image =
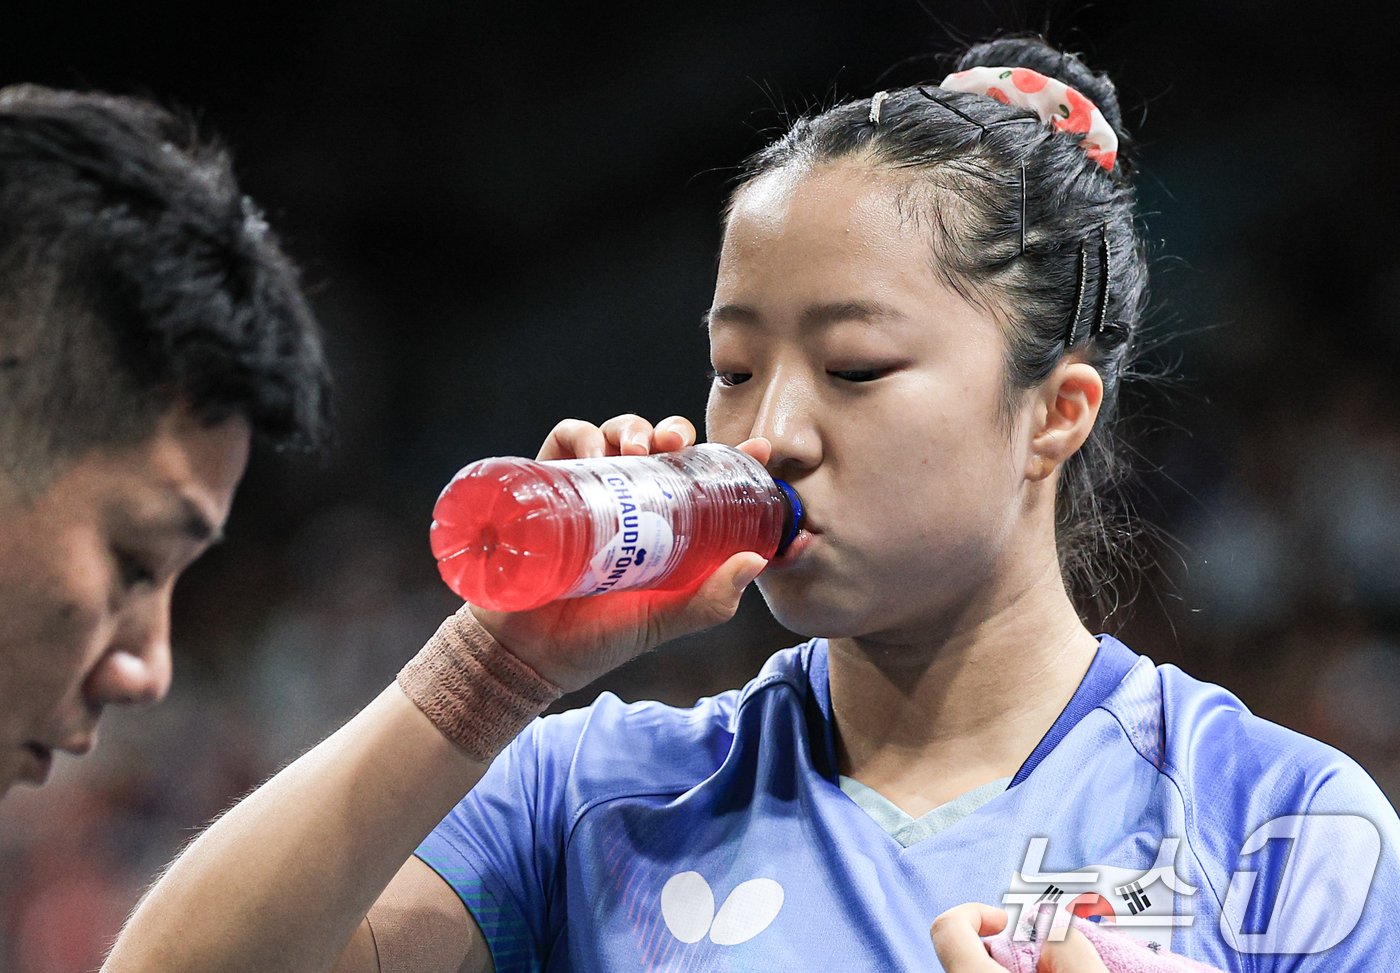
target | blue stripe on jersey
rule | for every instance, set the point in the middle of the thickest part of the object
(1111, 663)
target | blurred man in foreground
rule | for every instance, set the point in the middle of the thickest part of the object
(150, 328)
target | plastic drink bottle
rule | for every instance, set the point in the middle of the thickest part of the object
(511, 534)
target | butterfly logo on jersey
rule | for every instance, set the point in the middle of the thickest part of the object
(688, 906)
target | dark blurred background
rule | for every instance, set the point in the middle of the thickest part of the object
(508, 215)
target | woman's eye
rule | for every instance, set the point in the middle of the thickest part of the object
(134, 571)
(728, 379)
(861, 375)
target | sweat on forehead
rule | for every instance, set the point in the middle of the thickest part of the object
(889, 209)
(881, 198)
(780, 185)
(832, 211)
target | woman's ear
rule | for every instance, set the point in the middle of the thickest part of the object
(1068, 406)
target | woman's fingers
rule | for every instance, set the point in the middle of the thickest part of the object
(674, 432)
(957, 937)
(631, 435)
(760, 449)
(573, 439)
(1073, 954)
(625, 435)
(713, 603)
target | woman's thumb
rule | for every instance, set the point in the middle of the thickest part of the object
(716, 601)
(1073, 954)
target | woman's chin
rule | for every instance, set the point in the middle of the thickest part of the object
(807, 613)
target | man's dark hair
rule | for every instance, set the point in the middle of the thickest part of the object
(135, 277)
(1026, 224)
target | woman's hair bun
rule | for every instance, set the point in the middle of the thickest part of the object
(1034, 53)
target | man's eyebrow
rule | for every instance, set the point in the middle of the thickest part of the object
(814, 316)
(174, 513)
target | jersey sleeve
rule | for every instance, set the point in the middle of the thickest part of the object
(500, 848)
(1337, 889)
(1298, 849)
(1320, 890)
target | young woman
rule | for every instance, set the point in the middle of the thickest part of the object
(925, 303)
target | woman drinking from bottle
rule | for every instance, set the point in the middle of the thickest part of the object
(926, 302)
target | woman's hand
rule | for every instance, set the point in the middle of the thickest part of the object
(573, 641)
(957, 939)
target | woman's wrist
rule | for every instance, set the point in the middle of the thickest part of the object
(473, 689)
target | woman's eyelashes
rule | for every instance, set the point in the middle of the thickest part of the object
(861, 370)
(728, 379)
(859, 375)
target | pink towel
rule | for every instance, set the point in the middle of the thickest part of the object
(1119, 952)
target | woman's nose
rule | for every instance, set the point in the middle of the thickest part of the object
(787, 418)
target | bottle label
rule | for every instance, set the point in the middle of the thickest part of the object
(639, 552)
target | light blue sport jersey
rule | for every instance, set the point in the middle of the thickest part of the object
(645, 837)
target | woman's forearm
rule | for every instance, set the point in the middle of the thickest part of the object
(282, 880)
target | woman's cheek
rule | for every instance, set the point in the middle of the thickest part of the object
(728, 415)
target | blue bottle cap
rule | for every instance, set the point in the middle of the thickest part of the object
(792, 522)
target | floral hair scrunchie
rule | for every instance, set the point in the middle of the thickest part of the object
(1054, 101)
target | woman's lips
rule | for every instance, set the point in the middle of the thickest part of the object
(794, 551)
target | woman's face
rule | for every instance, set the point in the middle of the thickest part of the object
(832, 336)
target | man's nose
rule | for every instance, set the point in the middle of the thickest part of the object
(137, 668)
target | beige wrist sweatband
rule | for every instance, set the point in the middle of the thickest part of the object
(474, 691)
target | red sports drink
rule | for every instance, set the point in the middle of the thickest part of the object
(511, 534)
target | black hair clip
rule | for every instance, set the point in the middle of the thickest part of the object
(982, 127)
(1096, 328)
(1081, 278)
(1106, 277)
(1022, 251)
(961, 114)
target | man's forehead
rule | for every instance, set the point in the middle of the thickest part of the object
(146, 491)
(184, 477)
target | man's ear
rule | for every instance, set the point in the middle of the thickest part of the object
(1067, 408)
